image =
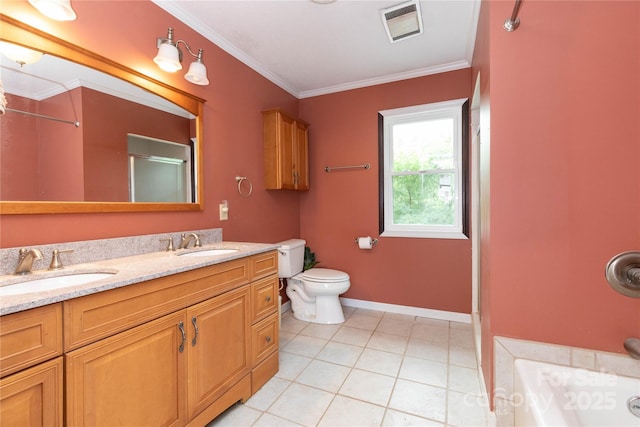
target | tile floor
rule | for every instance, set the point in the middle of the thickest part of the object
(376, 369)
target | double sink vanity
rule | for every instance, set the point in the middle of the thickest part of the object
(160, 338)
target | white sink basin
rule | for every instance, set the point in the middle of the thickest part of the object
(209, 252)
(51, 283)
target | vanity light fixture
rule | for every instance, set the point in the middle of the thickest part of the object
(169, 58)
(59, 10)
(402, 20)
(20, 54)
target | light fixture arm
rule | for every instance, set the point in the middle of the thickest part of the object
(169, 40)
(170, 55)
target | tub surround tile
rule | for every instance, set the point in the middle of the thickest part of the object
(507, 350)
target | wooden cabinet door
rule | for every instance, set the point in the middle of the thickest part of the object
(33, 397)
(301, 160)
(219, 354)
(134, 378)
(287, 153)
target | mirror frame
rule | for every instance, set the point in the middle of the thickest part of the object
(19, 33)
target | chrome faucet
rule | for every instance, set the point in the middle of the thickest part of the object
(185, 239)
(26, 259)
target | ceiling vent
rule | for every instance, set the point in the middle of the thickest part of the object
(402, 20)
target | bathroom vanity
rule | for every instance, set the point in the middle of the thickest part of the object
(174, 350)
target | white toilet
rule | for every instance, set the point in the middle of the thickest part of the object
(313, 293)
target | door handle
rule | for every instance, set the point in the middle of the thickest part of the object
(184, 336)
(195, 327)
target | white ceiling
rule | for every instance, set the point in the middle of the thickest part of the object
(312, 49)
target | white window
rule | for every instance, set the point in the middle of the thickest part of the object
(423, 155)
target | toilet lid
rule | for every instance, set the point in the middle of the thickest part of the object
(324, 275)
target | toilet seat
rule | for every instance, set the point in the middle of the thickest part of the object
(323, 275)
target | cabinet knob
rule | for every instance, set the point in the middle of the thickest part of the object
(268, 298)
(268, 339)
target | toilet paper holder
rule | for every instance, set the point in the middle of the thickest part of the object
(373, 240)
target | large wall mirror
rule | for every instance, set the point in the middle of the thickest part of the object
(82, 133)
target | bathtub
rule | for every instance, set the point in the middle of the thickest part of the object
(553, 395)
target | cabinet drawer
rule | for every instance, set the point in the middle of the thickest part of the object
(33, 397)
(263, 265)
(29, 337)
(264, 371)
(264, 338)
(97, 316)
(264, 297)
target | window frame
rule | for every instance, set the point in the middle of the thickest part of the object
(458, 109)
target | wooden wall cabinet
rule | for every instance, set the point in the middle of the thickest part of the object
(172, 351)
(286, 152)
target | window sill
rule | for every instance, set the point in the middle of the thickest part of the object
(425, 235)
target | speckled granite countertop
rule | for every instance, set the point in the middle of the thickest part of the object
(129, 270)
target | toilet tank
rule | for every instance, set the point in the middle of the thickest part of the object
(290, 257)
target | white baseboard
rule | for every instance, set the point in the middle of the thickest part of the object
(285, 307)
(405, 309)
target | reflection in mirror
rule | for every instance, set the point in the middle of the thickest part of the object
(66, 130)
(69, 125)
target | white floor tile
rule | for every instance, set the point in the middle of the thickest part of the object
(436, 351)
(386, 342)
(324, 375)
(428, 332)
(395, 326)
(465, 410)
(424, 371)
(268, 394)
(291, 324)
(380, 362)
(419, 399)
(268, 420)
(291, 365)
(305, 346)
(236, 416)
(368, 386)
(342, 354)
(362, 321)
(302, 404)
(352, 336)
(464, 380)
(320, 331)
(376, 369)
(346, 412)
(395, 418)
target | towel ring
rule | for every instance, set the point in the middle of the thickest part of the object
(239, 180)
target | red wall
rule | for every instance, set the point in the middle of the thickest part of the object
(565, 181)
(232, 137)
(17, 160)
(427, 273)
